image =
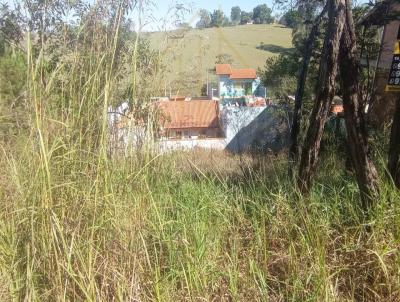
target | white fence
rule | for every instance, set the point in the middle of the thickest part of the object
(187, 144)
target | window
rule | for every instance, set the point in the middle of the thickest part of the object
(238, 85)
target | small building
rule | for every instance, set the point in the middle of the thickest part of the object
(194, 119)
(237, 83)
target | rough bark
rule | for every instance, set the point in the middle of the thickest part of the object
(354, 116)
(394, 147)
(294, 133)
(325, 94)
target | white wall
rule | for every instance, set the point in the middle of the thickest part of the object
(256, 129)
(233, 119)
(188, 144)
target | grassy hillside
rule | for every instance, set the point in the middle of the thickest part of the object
(193, 52)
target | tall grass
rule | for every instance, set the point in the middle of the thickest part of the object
(79, 225)
(180, 228)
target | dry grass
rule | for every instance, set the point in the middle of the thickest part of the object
(79, 225)
(191, 226)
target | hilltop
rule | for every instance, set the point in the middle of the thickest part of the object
(189, 54)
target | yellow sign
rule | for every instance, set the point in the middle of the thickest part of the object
(392, 88)
(393, 84)
(397, 48)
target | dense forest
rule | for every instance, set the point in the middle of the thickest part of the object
(318, 221)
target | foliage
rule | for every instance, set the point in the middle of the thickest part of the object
(279, 75)
(236, 15)
(306, 8)
(12, 99)
(291, 19)
(246, 17)
(77, 224)
(205, 19)
(210, 216)
(368, 43)
(10, 30)
(218, 18)
(262, 14)
(12, 75)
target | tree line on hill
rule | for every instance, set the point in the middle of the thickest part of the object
(261, 14)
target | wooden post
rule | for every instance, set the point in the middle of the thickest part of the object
(295, 130)
(394, 147)
(354, 115)
(325, 94)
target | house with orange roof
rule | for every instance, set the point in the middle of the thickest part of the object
(185, 123)
(189, 119)
(236, 83)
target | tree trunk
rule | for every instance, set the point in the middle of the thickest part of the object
(354, 116)
(394, 148)
(325, 94)
(294, 133)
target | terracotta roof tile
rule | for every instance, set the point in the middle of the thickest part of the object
(258, 102)
(226, 69)
(190, 114)
(223, 69)
(243, 74)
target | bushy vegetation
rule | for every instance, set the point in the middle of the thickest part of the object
(78, 226)
(261, 14)
(280, 73)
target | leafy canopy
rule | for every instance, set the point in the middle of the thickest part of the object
(236, 15)
(262, 14)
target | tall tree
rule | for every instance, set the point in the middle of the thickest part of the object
(262, 14)
(245, 17)
(353, 111)
(325, 93)
(394, 147)
(291, 18)
(301, 82)
(217, 18)
(205, 19)
(226, 21)
(10, 29)
(235, 15)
